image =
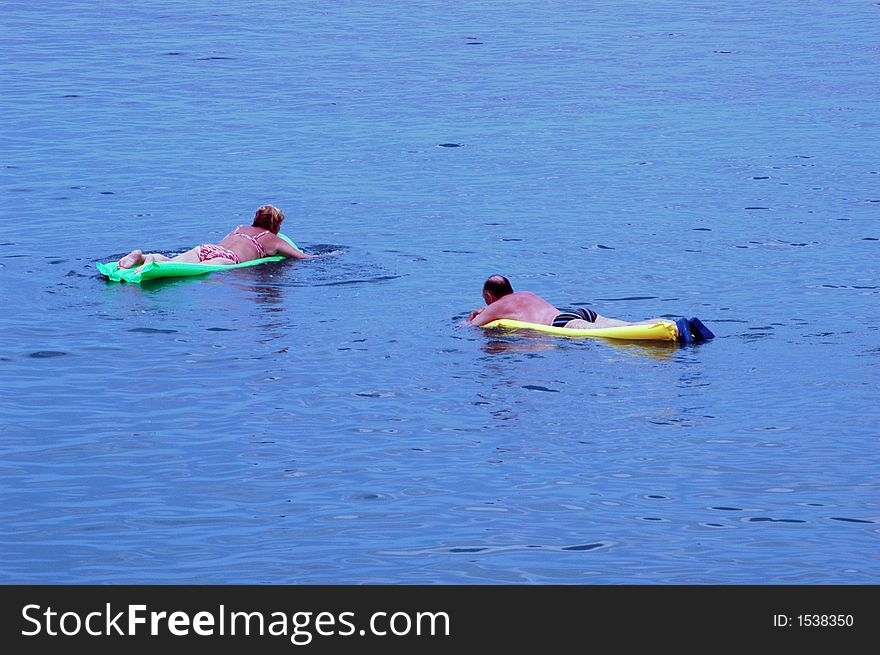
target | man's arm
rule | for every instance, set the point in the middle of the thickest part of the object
(483, 315)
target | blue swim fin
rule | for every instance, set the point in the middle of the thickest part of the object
(700, 331)
(684, 332)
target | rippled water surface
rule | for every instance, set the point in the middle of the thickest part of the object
(329, 421)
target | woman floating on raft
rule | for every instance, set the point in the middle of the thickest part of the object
(244, 243)
(530, 310)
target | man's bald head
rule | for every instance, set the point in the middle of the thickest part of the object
(495, 287)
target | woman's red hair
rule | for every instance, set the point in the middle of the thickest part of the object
(269, 218)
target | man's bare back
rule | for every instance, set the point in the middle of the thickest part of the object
(520, 306)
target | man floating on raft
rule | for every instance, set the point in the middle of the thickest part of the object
(523, 309)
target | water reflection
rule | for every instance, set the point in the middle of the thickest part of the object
(503, 346)
(264, 287)
(563, 376)
(526, 343)
(656, 350)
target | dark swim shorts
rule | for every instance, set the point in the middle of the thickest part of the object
(581, 313)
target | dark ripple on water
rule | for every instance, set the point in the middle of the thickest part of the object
(378, 278)
(149, 330)
(506, 549)
(333, 270)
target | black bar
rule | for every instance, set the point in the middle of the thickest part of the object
(508, 617)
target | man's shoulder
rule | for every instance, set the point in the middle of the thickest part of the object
(524, 296)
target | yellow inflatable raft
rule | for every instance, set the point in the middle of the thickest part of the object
(660, 331)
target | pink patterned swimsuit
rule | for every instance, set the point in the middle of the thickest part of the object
(261, 252)
(209, 251)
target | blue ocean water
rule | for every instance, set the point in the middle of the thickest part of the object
(329, 421)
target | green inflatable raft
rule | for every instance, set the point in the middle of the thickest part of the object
(156, 270)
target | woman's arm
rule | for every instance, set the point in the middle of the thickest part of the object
(284, 248)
